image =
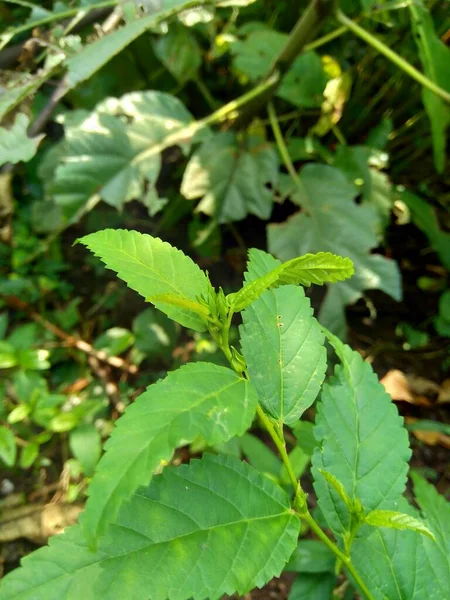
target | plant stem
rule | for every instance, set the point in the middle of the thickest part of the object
(392, 56)
(325, 39)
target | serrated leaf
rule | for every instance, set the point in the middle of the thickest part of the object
(311, 268)
(362, 441)
(151, 267)
(259, 263)
(198, 399)
(231, 176)
(309, 586)
(396, 520)
(114, 154)
(393, 563)
(172, 300)
(15, 145)
(436, 511)
(283, 346)
(333, 221)
(338, 487)
(167, 540)
(435, 58)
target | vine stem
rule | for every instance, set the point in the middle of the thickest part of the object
(392, 56)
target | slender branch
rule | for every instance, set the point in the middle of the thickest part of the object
(392, 56)
(71, 340)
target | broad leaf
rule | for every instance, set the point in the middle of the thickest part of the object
(424, 216)
(304, 83)
(331, 220)
(167, 541)
(231, 177)
(435, 58)
(283, 347)
(309, 586)
(260, 455)
(8, 449)
(311, 268)
(198, 399)
(259, 264)
(362, 442)
(114, 154)
(15, 145)
(395, 520)
(179, 52)
(152, 267)
(436, 511)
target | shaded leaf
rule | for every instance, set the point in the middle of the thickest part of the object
(435, 58)
(154, 333)
(283, 347)
(332, 221)
(313, 587)
(15, 145)
(151, 267)
(86, 445)
(179, 52)
(8, 448)
(311, 556)
(198, 399)
(188, 517)
(114, 153)
(362, 442)
(260, 455)
(231, 176)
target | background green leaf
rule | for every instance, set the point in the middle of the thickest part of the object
(15, 145)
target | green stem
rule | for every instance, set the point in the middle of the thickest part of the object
(325, 39)
(71, 12)
(392, 56)
(346, 560)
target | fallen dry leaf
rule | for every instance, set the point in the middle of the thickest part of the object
(401, 389)
(430, 438)
(37, 522)
(444, 392)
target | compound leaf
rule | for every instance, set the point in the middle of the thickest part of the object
(435, 58)
(231, 177)
(114, 153)
(198, 399)
(283, 347)
(152, 267)
(167, 540)
(334, 222)
(396, 520)
(362, 442)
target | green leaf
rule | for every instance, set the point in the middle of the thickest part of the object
(19, 413)
(8, 448)
(151, 267)
(64, 422)
(92, 57)
(259, 264)
(86, 445)
(155, 334)
(260, 455)
(198, 399)
(15, 145)
(435, 58)
(179, 52)
(339, 488)
(8, 356)
(362, 442)
(313, 587)
(303, 431)
(114, 341)
(28, 455)
(231, 177)
(304, 83)
(436, 511)
(283, 346)
(114, 154)
(172, 300)
(311, 556)
(396, 520)
(332, 221)
(425, 218)
(305, 270)
(187, 535)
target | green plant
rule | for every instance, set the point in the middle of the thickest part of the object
(218, 525)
